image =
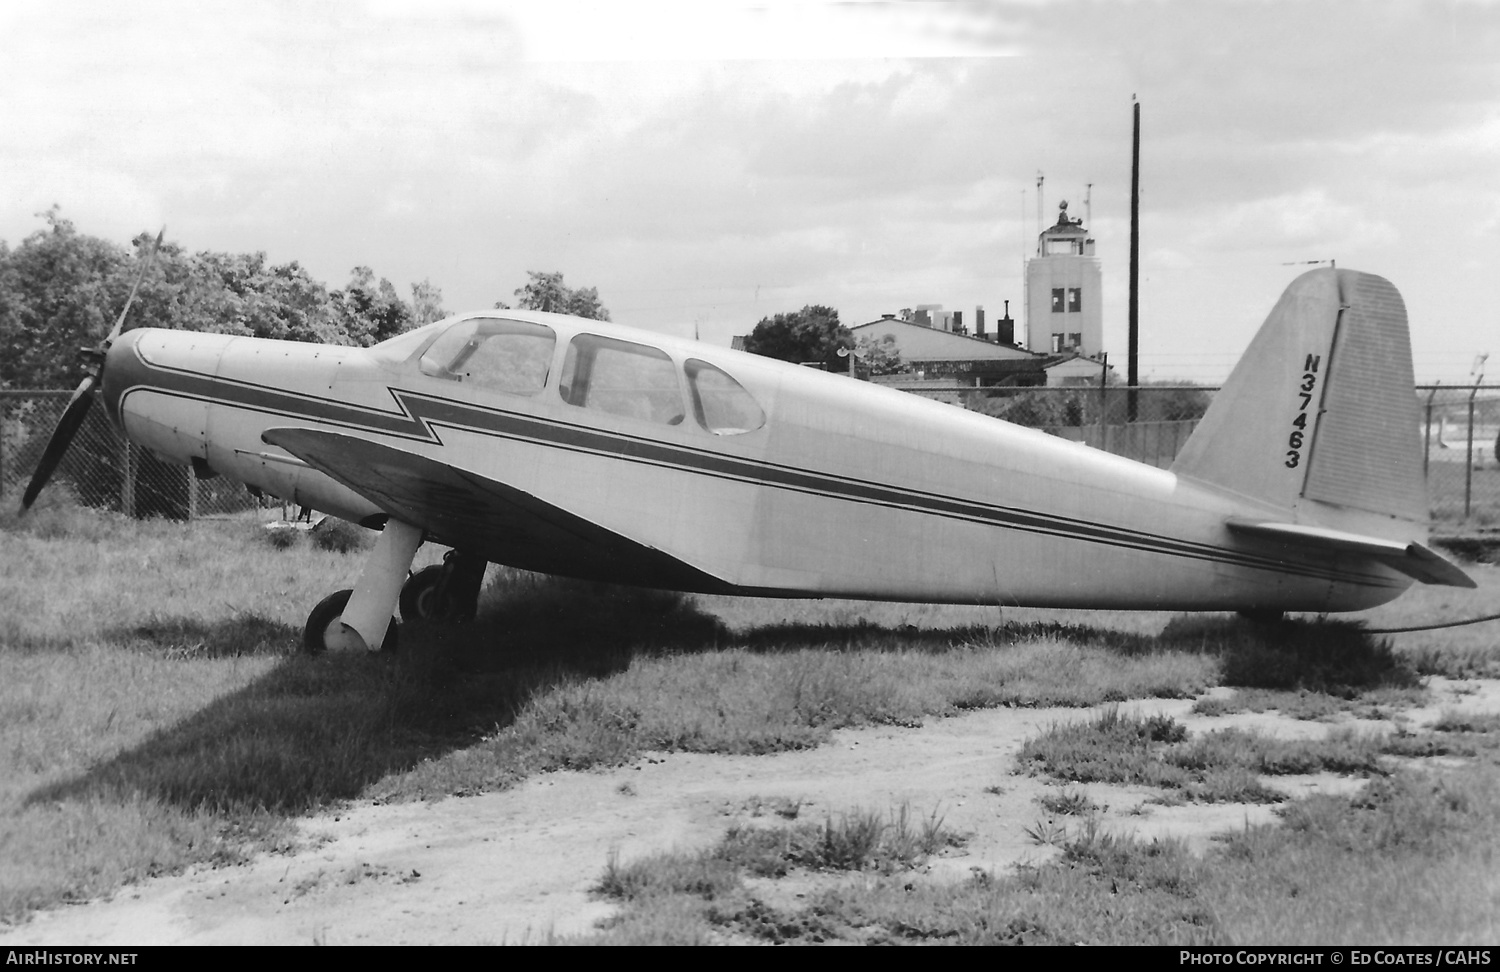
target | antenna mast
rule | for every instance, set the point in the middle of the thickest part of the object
(1039, 224)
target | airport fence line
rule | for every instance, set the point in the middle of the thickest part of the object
(1459, 429)
(103, 469)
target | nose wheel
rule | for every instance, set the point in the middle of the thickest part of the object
(444, 592)
(361, 618)
(326, 631)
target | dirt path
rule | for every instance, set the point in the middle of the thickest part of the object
(518, 866)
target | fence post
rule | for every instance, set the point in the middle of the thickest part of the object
(127, 484)
(1469, 456)
(1427, 444)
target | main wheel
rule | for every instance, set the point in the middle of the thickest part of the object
(419, 596)
(325, 631)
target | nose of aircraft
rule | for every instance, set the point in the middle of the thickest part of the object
(123, 369)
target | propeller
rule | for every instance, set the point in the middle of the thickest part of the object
(83, 395)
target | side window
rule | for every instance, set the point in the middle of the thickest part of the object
(621, 378)
(507, 356)
(721, 404)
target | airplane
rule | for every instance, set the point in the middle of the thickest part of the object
(592, 450)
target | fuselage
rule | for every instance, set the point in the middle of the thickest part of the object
(779, 480)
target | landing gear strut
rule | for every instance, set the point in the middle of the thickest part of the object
(445, 592)
(362, 618)
(326, 632)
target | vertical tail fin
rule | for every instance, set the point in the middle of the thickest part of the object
(1319, 419)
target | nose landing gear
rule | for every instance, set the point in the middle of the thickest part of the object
(363, 617)
(325, 631)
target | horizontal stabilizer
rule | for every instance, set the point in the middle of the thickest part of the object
(1411, 559)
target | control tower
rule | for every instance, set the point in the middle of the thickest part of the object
(1064, 307)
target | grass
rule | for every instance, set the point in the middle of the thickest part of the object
(1409, 860)
(1215, 767)
(695, 898)
(155, 713)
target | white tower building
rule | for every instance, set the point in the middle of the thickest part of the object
(1064, 307)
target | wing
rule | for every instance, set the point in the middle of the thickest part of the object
(504, 524)
(1412, 559)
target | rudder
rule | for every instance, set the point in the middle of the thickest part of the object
(1319, 419)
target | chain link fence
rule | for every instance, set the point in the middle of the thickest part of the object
(1459, 430)
(102, 468)
(1460, 425)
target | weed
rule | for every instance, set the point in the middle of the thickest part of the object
(1047, 833)
(277, 537)
(784, 807)
(855, 841)
(1069, 803)
(699, 875)
(340, 536)
(1455, 720)
(1425, 745)
(1214, 767)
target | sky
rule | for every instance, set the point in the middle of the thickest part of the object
(708, 164)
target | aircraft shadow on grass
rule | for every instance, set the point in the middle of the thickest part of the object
(316, 729)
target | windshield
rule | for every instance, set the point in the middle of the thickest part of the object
(403, 346)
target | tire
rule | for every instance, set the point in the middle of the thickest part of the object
(419, 596)
(324, 632)
(458, 603)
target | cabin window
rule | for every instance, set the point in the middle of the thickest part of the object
(721, 404)
(621, 378)
(499, 355)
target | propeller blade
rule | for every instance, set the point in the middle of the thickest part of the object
(83, 396)
(145, 265)
(62, 437)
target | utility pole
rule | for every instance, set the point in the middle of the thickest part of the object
(1133, 350)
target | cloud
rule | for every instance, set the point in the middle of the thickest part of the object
(687, 156)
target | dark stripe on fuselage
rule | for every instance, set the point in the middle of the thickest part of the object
(421, 416)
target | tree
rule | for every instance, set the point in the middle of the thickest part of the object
(881, 357)
(811, 334)
(426, 303)
(370, 312)
(237, 293)
(547, 292)
(59, 291)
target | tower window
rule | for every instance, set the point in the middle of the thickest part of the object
(1057, 300)
(1075, 299)
(1075, 341)
(1057, 343)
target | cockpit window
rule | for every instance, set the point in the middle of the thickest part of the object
(500, 355)
(721, 404)
(621, 378)
(399, 349)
